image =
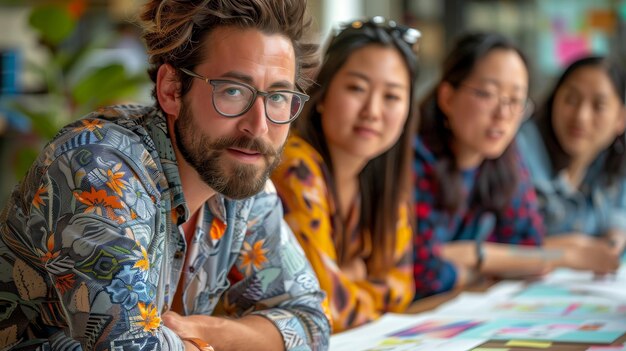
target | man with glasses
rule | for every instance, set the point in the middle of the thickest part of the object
(143, 227)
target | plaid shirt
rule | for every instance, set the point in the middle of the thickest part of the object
(519, 223)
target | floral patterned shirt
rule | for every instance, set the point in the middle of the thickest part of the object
(302, 186)
(91, 249)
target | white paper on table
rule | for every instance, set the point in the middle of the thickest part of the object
(567, 275)
(535, 307)
(474, 301)
(607, 348)
(599, 289)
(505, 288)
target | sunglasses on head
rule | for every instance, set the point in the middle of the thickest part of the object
(409, 35)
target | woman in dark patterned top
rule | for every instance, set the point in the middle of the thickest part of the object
(476, 209)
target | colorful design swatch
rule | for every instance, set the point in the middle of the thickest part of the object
(438, 329)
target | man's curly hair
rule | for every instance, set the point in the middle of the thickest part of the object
(174, 31)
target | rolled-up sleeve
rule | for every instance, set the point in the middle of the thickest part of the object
(277, 281)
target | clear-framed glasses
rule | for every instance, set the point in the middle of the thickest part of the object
(233, 99)
(491, 100)
(409, 35)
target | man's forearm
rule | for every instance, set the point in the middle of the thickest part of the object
(251, 330)
(226, 334)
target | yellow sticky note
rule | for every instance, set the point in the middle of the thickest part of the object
(526, 343)
(489, 349)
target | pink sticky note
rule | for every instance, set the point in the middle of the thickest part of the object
(569, 48)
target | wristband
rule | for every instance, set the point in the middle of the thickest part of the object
(480, 256)
(200, 344)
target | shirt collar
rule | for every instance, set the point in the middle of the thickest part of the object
(156, 124)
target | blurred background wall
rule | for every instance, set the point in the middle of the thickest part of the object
(60, 59)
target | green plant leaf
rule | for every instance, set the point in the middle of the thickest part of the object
(106, 85)
(52, 22)
(23, 160)
(42, 122)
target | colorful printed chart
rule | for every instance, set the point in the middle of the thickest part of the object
(559, 330)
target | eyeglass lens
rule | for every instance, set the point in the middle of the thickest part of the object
(232, 99)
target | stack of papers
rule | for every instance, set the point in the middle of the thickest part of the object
(566, 306)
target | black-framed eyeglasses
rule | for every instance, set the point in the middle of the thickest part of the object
(491, 100)
(233, 99)
(410, 36)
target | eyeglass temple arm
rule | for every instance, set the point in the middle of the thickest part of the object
(195, 75)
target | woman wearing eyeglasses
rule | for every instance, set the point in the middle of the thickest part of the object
(574, 148)
(476, 208)
(345, 175)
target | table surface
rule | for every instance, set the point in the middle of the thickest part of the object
(432, 302)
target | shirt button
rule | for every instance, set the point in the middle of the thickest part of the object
(191, 269)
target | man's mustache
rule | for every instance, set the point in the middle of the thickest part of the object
(244, 143)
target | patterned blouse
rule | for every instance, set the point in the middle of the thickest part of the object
(91, 247)
(302, 185)
(593, 208)
(520, 223)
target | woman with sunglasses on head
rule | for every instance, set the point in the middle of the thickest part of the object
(345, 175)
(574, 147)
(475, 206)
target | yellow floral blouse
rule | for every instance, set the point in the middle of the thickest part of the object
(308, 205)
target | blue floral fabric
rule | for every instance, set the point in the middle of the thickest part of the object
(91, 250)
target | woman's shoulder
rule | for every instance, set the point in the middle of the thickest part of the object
(298, 148)
(423, 153)
(532, 151)
(299, 158)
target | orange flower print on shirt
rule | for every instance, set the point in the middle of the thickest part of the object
(65, 282)
(99, 202)
(143, 263)
(217, 229)
(37, 200)
(50, 254)
(90, 125)
(116, 179)
(150, 320)
(253, 256)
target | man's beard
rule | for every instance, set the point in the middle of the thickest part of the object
(229, 178)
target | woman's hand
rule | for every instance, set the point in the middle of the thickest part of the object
(585, 252)
(594, 254)
(617, 239)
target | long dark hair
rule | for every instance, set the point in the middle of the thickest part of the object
(385, 181)
(497, 178)
(615, 163)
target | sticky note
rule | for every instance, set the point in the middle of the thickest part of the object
(532, 344)
(489, 349)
